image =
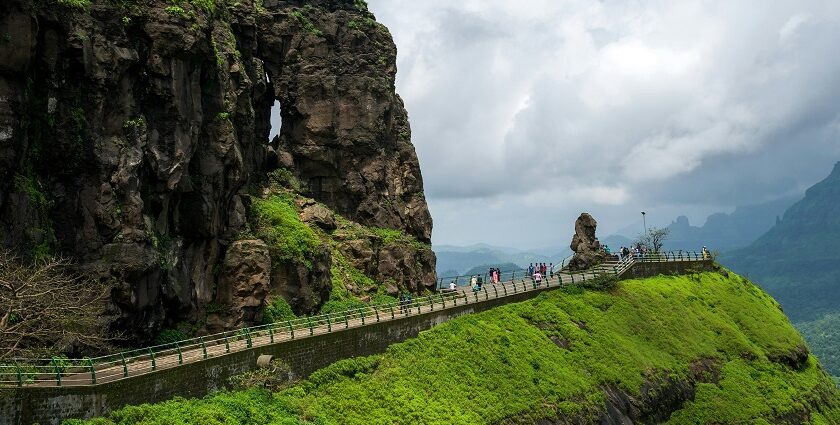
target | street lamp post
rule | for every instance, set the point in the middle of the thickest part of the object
(644, 222)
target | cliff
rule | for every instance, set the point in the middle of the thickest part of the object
(703, 348)
(798, 259)
(134, 137)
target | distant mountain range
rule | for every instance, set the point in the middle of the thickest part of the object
(798, 260)
(721, 232)
(458, 260)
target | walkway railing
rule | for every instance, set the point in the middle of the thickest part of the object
(60, 371)
(504, 275)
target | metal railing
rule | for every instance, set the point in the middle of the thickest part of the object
(59, 371)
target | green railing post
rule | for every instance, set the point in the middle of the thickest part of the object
(227, 344)
(376, 311)
(504, 288)
(309, 321)
(180, 356)
(248, 342)
(431, 303)
(391, 306)
(92, 371)
(455, 300)
(496, 290)
(203, 347)
(271, 333)
(418, 307)
(524, 287)
(362, 315)
(152, 355)
(124, 365)
(442, 301)
(514, 286)
(346, 322)
(329, 324)
(291, 329)
(486, 296)
(57, 371)
(573, 277)
(19, 374)
(476, 296)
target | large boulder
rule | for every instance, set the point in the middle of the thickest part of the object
(244, 283)
(585, 244)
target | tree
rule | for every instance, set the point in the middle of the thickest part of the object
(45, 308)
(654, 238)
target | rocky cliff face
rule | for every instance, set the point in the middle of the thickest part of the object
(133, 135)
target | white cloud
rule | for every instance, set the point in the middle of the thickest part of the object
(581, 104)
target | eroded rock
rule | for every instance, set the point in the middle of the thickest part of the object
(244, 282)
(585, 244)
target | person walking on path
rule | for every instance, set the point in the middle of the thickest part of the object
(537, 279)
(551, 269)
(531, 269)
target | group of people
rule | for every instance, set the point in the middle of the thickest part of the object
(405, 301)
(495, 275)
(541, 269)
(624, 252)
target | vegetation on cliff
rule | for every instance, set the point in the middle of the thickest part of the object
(703, 348)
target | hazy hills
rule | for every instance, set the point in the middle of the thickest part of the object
(798, 260)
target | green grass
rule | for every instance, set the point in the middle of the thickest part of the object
(280, 226)
(76, 4)
(503, 365)
(277, 310)
(306, 23)
(351, 230)
(343, 274)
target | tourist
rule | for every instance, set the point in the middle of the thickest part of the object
(408, 301)
(706, 255)
(452, 286)
(537, 279)
(551, 268)
(531, 269)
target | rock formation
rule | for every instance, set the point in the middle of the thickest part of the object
(585, 244)
(133, 134)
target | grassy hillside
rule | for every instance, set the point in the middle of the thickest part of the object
(705, 348)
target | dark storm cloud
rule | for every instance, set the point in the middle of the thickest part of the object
(526, 113)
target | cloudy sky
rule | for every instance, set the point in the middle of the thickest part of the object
(526, 113)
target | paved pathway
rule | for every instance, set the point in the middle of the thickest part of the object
(138, 362)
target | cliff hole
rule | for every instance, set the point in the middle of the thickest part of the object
(276, 120)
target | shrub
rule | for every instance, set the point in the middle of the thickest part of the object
(306, 23)
(280, 226)
(278, 310)
(76, 4)
(169, 336)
